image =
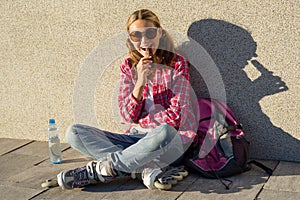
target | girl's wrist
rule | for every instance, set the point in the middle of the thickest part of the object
(140, 84)
(138, 92)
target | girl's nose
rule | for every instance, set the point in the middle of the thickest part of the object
(144, 40)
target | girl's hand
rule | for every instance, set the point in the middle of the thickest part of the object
(143, 70)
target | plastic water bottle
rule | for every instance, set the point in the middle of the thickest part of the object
(54, 143)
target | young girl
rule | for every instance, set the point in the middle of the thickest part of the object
(154, 98)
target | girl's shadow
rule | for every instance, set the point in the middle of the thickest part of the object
(232, 47)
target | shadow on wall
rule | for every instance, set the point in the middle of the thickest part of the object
(231, 47)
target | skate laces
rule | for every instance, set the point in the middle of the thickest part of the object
(100, 171)
(89, 174)
(80, 177)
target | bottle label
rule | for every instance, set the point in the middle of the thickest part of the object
(55, 150)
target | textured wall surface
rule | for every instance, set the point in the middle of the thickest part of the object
(51, 51)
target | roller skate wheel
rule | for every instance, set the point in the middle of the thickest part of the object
(173, 181)
(184, 173)
(178, 177)
(162, 186)
(49, 183)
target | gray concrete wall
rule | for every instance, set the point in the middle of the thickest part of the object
(45, 45)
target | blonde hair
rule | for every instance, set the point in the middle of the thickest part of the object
(165, 52)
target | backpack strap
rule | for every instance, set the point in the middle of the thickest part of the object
(268, 170)
(231, 128)
(223, 180)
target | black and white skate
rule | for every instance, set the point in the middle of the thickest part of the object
(162, 179)
(169, 177)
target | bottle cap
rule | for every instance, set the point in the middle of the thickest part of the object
(51, 121)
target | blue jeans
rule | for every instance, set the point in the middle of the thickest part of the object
(128, 152)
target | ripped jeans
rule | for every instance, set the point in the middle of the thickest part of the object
(128, 152)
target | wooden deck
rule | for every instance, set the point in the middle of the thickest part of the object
(25, 165)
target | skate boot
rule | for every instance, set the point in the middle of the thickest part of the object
(162, 179)
(94, 172)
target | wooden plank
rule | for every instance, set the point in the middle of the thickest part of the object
(285, 178)
(91, 192)
(8, 145)
(69, 156)
(19, 172)
(245, 186)
(30, 176)
(37, 148)
(11, 192)
(139, 191)
(72, 155)
(120, 189)
(12, 164)
(278, 194)
(117, 189)
(34, 175)
(22, 159)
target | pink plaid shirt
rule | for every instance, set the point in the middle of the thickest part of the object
(171, 95)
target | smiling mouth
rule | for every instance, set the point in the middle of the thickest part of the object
(148, 50)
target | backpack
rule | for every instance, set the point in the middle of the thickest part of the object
(221, 149)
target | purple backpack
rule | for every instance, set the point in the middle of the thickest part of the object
(221, 149)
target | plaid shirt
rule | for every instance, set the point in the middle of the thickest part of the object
(171, 95)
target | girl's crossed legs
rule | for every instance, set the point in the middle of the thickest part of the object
(128, 152)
